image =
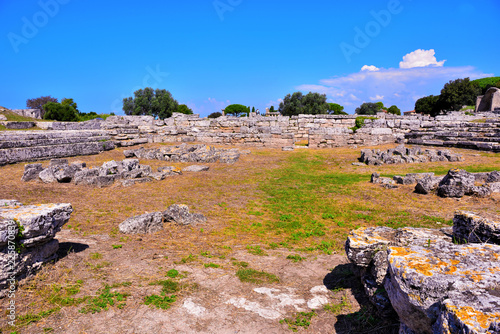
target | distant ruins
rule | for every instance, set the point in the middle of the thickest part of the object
(63, 139)
(489, 101)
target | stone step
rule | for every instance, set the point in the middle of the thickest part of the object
(21, 154)
(53, 141)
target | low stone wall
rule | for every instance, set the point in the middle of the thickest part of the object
(41, 145)
(480, 132)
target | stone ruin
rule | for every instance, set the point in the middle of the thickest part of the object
(456, 183)
(153, 222)
(433, 284)
(402, 154)
(186, 153)
(490, 101)
(27, 238)
(128, 171)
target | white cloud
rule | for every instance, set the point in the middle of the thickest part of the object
(370, 68)
(421, 58)
(377, 98)
(398, 86)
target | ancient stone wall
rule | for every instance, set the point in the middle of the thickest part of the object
(33, 113)
(64, 139)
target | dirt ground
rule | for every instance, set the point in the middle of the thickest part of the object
(211, 298)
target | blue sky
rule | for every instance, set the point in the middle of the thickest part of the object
(209, 53)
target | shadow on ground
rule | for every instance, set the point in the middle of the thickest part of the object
(366, 320)
(65, 248)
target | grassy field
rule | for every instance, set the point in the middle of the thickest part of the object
(299, 205)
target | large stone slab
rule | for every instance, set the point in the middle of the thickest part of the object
(434, 285)
(27, 238)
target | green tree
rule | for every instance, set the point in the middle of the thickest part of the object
(215, 115)
(486, 83)
(184, 109)
(37, 103)
(271, 109)
(299, 104)
(236, 110)
(394, 110)
(60, 112)
(70, 102)
(380, 105)
(428, 105)
(158, 103)
(336, 109)
(458, 93)
(253, 109)
(368, 108)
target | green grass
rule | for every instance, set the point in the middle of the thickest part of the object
(25, 320)
(211, 265)
(256, 250)
(117, 246)
(338, 308)
(302, 319)
(172, 273)
(166, 298)
(254, 276)
(295, 258)
(104, 300)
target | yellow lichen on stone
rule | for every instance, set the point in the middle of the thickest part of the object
(471, 317)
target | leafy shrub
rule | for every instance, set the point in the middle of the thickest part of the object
(59, 112)
(215, 115)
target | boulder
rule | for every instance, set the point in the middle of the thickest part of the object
(86, 176)
(493, 177)
(434, 285)
(31, 172)
(196, 168)
(456, 183)
(471, 228)
(179, 213)
(35, 242)
(65, 173)
(427, 184)
(47, 175)
(146, 223)
(104, 181)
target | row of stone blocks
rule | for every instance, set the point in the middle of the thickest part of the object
(43, 145)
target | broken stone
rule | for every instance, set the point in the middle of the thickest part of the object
(179, 213)
(427, 184)
(31, 172)
(456, 183)
(47, 175)
(471, 228)
(146, 223)
(40, 224)
(196, 168)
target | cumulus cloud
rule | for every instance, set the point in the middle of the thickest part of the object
(370, 68)
(377, 98)
(399, 86)
(420, 58)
